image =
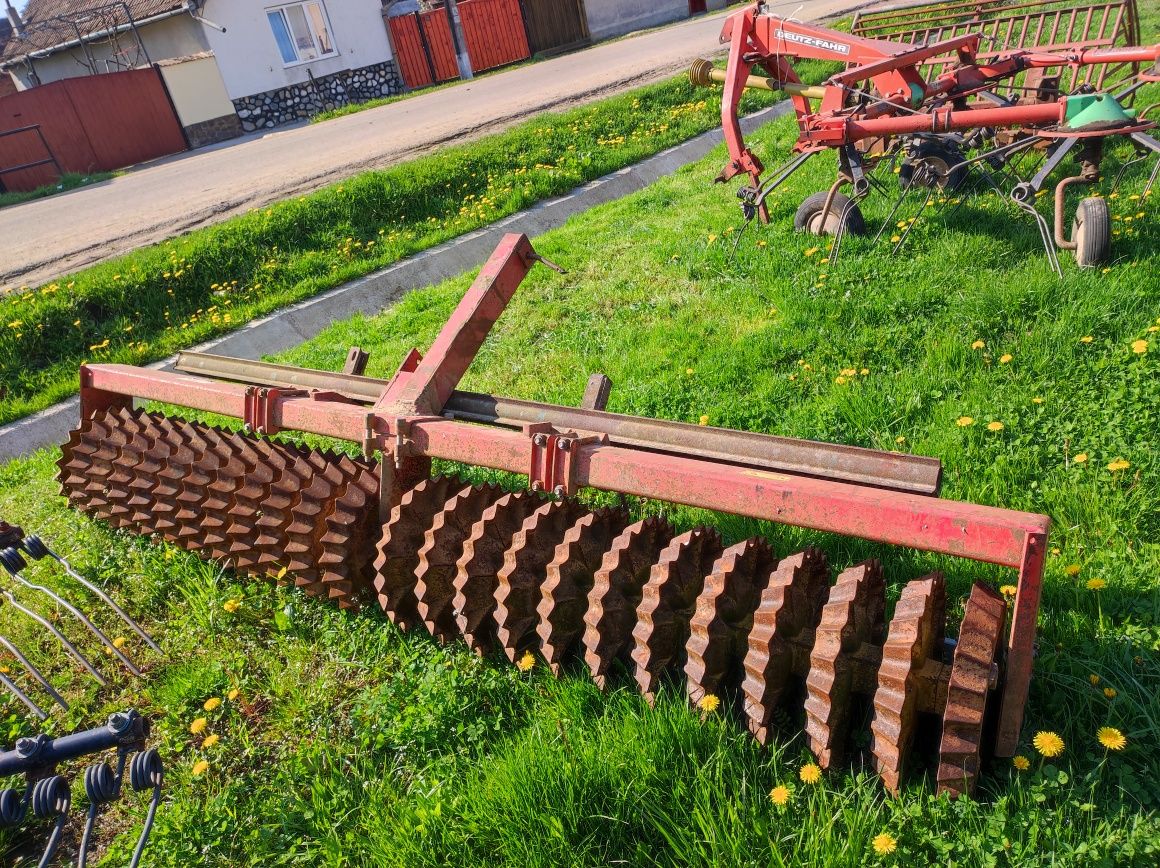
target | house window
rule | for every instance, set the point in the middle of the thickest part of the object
(302, 31)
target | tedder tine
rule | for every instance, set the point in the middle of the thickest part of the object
(908, 674)
(14, 563)
(34, 672)
(11, 687)
(48, 625)
(36, 549)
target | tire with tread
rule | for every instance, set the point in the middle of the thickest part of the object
(809, 217)
(1091, 231)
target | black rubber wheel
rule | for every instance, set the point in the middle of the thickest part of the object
(943, 166)
(1092, 232)
(809, 216)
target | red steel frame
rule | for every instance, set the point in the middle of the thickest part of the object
(891, 69)
(405, 424)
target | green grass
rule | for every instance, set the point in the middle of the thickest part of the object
(153, 302)
(68, 181)
(351, 744)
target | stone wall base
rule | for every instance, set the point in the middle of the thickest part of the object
(300, 101)
(212, 131)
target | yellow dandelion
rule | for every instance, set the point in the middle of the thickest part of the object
(884, 844)
(994, 426)
(1071, 570)
(779, 795)
(848, 372)
(1111, 738)
(1096, 584)
(1008, 590)
(1110, 692)
(704, 420)
(1021, 763)
(1086, 339)
(1005, 358)
(841, 381)
(200, 768)
(709, 703)
(526, 663)
(810, 773)
(689, 371)
(1119, 464)
(233, 694)
(198, 726)
(211, 740)
(865, 372)
(1048, 743)
(1036, 400)
(119, 642)
(211, 703)
(978, 345)
(712, 238)
(899, 439)
(232, 606)
(1094, 679)
(1080, 457)
(811, 251)
(965, 421)
(1140, 347)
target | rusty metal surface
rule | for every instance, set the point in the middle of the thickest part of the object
(892, 470)
(617, 587)
(971, 678)
(442, 547)
(784, 622)
(525, 563)
(666, 606)
(723, 618)
(914, 638)
(853, 621)
(569, 579)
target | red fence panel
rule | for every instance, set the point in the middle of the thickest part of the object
(93, 123)
(494, 30)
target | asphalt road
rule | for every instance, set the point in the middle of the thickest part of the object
(47, 238)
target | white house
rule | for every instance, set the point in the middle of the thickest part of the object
(230, 65)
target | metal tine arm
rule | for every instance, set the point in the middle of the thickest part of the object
(34, 672)
(36, 549)
(48, 625)
(14, 563)
(145, 771)
(102, 786)
(10, 685)
(52, 797)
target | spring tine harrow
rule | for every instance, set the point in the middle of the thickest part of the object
(60, 637)
(535, 571)
(35, 548)
(49, 795)
(13, 562)
(36, 674)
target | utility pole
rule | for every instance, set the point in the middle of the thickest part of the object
(458, 39)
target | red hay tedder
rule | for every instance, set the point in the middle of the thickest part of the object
(608, 589)
(952, 99)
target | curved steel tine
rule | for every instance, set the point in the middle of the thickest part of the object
(13, 562)
(23, 697)
(72, 649)
(34, 672)
(146, 770)
(36, 548)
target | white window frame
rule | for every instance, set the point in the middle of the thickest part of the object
(302, 4)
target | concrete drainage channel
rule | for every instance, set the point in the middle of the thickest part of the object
(298, 323)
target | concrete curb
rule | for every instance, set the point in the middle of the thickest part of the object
(300, 322)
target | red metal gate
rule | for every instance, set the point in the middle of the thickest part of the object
(494, 30)
(90, 124)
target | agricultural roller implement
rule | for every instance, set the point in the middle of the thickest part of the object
(534, 570)
(950, 98)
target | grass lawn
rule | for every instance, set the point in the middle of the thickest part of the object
(351, 744)
(68, 181)
(150, 303)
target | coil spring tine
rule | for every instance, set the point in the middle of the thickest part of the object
(13, 807)
(10, 685)
(145, 771)
(36, 548)
(34, 672)
(101, 787)
(72, 649)
(14, 563)
(52, 797)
